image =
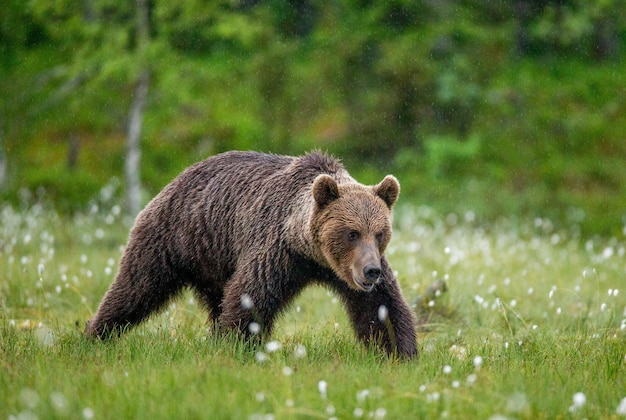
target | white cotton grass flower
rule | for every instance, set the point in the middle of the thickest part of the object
(459, 351)
(621, 408)
(517, 403)
(272, 346)
(300, 351)
(322, 387)
(59, 402)
(45, 336)
(254, 328)
(478, 362)
(29, 397)
(380, 413)
(362, 395)
(88, 413)
(433, 397)
(578, 401)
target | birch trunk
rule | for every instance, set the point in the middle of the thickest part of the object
(135, 120)
(3, 158)
(133, 151)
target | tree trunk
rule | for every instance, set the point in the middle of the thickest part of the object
(606, 40)
(133, 151)
(72, 153)
(3, 158)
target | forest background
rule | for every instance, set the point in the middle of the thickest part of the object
(484, 108)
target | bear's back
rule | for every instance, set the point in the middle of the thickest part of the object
(214, 210)
(249, 176)
(261, 167)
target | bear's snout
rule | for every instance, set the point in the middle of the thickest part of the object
(371, 273)
(366, 267)
(366, 278)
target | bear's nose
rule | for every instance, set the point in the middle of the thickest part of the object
(371, 273)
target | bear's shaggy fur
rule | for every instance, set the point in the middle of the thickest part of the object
(247, 232)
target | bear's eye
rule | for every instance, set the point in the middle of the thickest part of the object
(380, 236)
(353, 235)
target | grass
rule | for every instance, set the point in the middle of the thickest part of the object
(533, 326)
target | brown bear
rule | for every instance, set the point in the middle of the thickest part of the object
(247, 232)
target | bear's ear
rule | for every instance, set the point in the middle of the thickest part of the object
(388, 189)
(325, 190)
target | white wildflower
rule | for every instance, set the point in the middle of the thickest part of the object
(621, 408)
(478, 362)
(272, 346)
(322, 386)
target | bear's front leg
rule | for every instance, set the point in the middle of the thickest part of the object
(382, 316)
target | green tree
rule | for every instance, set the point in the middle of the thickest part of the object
(572, 27)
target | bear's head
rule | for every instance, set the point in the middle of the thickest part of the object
(351, 226)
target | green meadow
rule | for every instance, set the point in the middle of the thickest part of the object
(532, 325)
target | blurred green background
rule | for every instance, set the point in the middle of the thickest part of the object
(497, 108)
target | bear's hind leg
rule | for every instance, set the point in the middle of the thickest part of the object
(210, 299)
(137, 292)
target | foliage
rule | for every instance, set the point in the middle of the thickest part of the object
(528, 308)
(507, 107)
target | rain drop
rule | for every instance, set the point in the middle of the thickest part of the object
(246, 302)
(383, 313)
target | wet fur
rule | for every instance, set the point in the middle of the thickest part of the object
(247, 224)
